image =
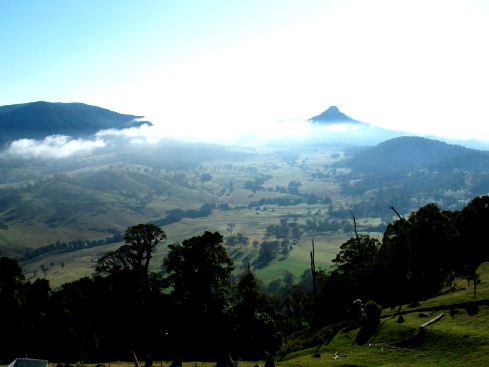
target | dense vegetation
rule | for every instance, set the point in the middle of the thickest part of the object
(195, 309)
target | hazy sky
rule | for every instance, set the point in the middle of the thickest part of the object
(225, 67)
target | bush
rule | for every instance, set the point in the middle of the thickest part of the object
(372, 312)
(371, 320)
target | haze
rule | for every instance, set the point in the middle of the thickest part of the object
(226, 70)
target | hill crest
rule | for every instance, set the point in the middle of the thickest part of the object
(41, 119)
(410, 152)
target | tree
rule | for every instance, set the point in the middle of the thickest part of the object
(472, 224)
(22, 311)
(334, 300)
(416, 258)
(356, 261)
(432, 251)
(198, 270)
(255, 330)
(267, 253)
(136, 253)
(130, 299)
(11, 284)
(394, 264)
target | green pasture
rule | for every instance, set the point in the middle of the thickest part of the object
(456, 340)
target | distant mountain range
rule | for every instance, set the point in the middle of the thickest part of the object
(356, 132)
(36, 120)
(41, 119)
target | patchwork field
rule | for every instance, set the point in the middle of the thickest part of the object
(59, 217)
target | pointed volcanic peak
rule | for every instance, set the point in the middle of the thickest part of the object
(333, 116)
(41, 119)
(333, 127)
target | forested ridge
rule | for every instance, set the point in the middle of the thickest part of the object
(196, 309)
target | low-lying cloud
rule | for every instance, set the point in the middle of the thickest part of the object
(250, 135)
(55, 146)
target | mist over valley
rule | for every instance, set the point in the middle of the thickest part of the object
(68, 198)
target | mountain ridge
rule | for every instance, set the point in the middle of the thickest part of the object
(40, 119)
(412, 152)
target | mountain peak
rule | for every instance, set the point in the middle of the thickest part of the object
(333, 115)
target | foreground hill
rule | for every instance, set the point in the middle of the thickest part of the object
(460, 338)
(41, 119)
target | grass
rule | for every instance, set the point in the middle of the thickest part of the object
(249, 222)
(82, 263)
(141, 363)
(461, 340)
(458, 341)
(299, 259)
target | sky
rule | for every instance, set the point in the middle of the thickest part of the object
(223, 68)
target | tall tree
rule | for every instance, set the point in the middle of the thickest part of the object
(198, 270)
(432, 249)
(136, 253)
(473, 240)
(355, 262)
(11, 289)
(22, 311)
(134, 292)
(394, 264)
(416, 258)
(255, 331)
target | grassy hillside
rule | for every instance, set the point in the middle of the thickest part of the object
(458, 340)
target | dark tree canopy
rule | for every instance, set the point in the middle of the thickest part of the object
(355, 262)
(136, 253)
(416, 257)
(473, 237)
(254, 325)
(198, 270)
(200, 267)
(22, 311)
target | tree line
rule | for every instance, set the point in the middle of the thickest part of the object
(196, 309)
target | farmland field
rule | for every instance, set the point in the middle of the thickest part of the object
(72, 214)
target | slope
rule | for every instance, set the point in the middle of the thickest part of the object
(458, 340)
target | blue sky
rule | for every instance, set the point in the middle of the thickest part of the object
(232, 67)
